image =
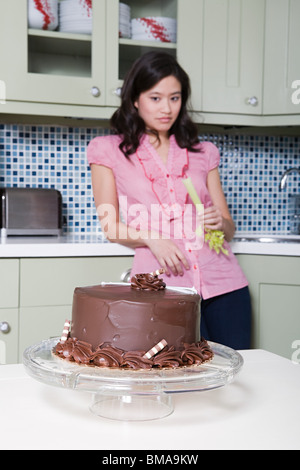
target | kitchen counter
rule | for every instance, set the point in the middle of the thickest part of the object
(64, 246)
(260, 248)
(260, 409)
(94, 245)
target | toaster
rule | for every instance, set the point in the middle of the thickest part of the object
(30, 211)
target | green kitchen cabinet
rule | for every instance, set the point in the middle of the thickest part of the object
(9, 302)
(40, 323)
(122, 51)
(80, 75)
(9, 283)
(274, 283)
(241, 56)
(233, 56)
(51, 67)
(9, 334)
(36, 296)
(46, 291)
(51, 281)
(187, 49)
(282, 58)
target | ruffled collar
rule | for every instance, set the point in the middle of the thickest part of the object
(166, 180)
(155, 168)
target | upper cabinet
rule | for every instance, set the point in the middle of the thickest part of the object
(241, 55)
(80, 73)
(251, 62)
(185, 45)
(282, 57)
(233, 56)
(123, 49)
(56, 67)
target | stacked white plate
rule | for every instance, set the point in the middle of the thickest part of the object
(124, 21)
(154, 29)
(76, 16)
(43, 14)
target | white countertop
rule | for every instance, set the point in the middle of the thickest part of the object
(94, 245)
(260, 409)
(64, 246)
(258, 248)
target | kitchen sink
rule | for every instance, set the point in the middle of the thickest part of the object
(267, 238)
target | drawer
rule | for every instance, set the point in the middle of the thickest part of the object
(9, 338)
(51, 281)
(41, 323)
(9, 283)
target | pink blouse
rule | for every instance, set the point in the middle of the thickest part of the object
(153, 196)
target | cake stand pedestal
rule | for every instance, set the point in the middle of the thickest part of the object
(131, 395)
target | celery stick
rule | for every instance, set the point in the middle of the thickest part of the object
(215, 238)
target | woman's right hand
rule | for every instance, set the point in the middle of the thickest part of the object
(169, 256)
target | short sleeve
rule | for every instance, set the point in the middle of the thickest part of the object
(213, 155)
(101, 151)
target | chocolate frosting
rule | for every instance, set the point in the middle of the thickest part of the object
(148, 282)
(116, 325)
(105, 355)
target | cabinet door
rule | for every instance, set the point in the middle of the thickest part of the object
(274, 283)
(47, 287)
(51, 281)
(9, 337)
(282, 57)
(40, 323)
(51, 66)
(280, 318)
(233, 56)
(9, 283)
(122, 52)
(189, 45)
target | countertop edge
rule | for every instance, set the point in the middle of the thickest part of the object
(65, 247)
(62, 250)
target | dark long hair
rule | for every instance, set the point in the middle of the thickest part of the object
(145, 73)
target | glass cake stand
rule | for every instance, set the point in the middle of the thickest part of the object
(131, 395)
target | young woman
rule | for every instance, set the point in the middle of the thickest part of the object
(137, 177)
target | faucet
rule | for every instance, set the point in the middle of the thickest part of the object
(282, 183)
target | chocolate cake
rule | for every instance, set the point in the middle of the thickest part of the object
(137, 325)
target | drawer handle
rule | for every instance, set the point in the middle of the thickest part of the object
(125, 276)
(4, 328)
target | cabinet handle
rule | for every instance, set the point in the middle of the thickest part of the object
(4, 328)
(118, 91)
(95, 91)
(253, 101)
(125, 276)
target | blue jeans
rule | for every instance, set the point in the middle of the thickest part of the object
(226, 319)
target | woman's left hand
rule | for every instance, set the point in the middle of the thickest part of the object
(212, 218)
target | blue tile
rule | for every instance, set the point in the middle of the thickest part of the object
(250, 170)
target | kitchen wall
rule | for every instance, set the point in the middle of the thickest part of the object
(251, 167)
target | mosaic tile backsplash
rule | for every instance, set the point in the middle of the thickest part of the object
(251, 169)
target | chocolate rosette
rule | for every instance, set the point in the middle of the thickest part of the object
(74, 351)
(196, 353)
(135, 360)
(107, 356)
(147, 282)
(168, 358)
